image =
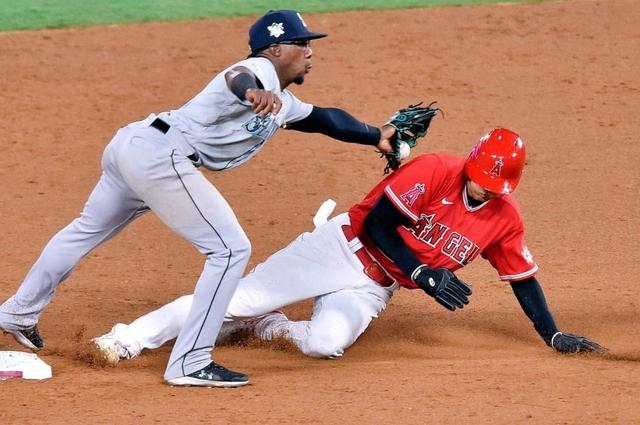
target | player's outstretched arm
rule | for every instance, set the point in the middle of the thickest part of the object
(380, 225)
(531, 298)
(341, 125)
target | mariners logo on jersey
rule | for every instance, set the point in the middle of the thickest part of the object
(410, 196)
(276, 29)
(261, 127)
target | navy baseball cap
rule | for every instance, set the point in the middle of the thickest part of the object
(277, 26)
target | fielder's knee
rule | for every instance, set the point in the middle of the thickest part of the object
(237, 248)
(242, 248)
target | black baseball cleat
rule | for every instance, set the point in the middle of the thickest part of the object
(212, 375)
(29, 337)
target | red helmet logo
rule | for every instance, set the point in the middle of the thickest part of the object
(497, 168)
(496, 162)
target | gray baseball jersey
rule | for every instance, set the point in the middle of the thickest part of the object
(223, 129)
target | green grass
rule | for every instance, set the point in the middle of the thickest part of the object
(35, 14)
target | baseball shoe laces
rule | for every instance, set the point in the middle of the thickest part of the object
(212, 375)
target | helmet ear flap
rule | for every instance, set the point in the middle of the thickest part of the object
(496, 161)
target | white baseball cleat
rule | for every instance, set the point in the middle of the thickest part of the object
(266, 327)
(112, 348)
(270, 325)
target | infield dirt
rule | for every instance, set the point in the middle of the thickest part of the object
(562, 74)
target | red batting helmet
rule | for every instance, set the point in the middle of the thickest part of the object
(496, 162)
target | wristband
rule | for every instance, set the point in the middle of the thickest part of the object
(417, 271)
(554, 336)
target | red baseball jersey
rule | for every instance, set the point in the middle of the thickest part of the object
(447, 231)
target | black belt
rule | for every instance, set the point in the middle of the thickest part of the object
(163, 128)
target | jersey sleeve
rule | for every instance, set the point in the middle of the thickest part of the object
(412, 185)
(296, 109)
(264, 72)
(293, 109)
(511, 257)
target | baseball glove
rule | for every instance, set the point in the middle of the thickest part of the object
(410, 123)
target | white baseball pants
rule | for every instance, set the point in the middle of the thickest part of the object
(317, 265)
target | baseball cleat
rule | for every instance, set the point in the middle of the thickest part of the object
(233, 328)
(270, 326)
(212, 375)
(265, 327)
(112, 349)
(29, 337)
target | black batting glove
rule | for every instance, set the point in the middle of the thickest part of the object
(442, 285)
(571, 344)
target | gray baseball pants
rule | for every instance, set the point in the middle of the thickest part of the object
(145, 169)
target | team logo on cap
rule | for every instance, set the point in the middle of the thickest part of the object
(301, 20)
(497, 168)
(276, 29)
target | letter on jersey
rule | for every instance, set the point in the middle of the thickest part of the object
(410, 196)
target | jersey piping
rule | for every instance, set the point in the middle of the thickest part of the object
(520, 276)
(400, 204)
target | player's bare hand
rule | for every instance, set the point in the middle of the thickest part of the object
(263, 101)
(386, 133)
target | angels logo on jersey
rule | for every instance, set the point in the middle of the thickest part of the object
(454, 245)
(410, 196)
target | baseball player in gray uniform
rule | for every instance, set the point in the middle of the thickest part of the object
(153, 165)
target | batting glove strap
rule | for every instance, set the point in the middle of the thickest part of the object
(417, 271)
